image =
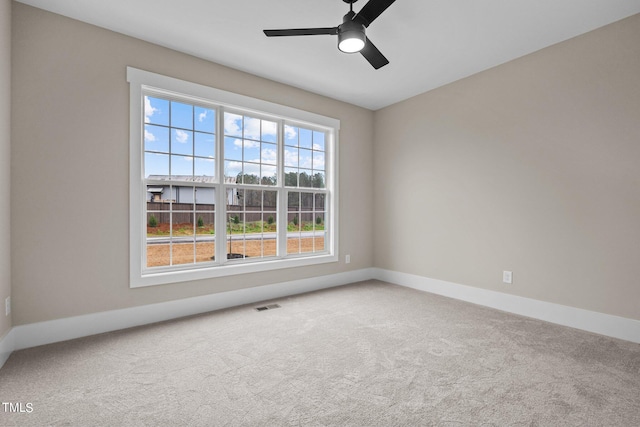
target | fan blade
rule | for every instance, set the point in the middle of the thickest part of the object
(371, 11)
(373, 55)
(301, 32)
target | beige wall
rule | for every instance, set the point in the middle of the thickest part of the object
(529, 167)
(70, 167)
(5, 154)
(532, 166)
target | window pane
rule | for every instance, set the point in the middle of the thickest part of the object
(232, 149)
(236, 228)
(232, 124)
(318, 180)
(293, 201)
(157, 222)
(318, 140)
(269, 247)
(269, 131)
(183, 198)
(156, 138)
(304, 179)
(251, 128)
(251, 151)
(304, 159)
(291, 157)
(291, 177)
(318, 160)
(205, 198)
(205, 145)
(181, 142)
(269, 154)
(251, 173)
(181, 115)
(182, 225)
(305, 138)
(205, 223)
(182, 168)
(270, 202)
(155, 195)
(231, 170)
(306, 200)
(156, 111)
(307, 235)
(204, 167)
(205, 249)
(156, 166)
(182, 253)
(158, 253)
(234, 199)
(205, 119)
(269, 175)
(290, 135)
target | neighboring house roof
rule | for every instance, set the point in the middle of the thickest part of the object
(186, 178)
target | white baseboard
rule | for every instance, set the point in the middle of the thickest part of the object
(35, 334)
(591, 321)
(7, 345)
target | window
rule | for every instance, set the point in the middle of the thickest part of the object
(226, 184)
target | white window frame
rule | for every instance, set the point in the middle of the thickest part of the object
(141, 81)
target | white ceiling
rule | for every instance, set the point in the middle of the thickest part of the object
(429, 43)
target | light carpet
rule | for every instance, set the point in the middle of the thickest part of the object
(367, 354)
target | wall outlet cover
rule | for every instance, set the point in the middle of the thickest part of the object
(507, 277)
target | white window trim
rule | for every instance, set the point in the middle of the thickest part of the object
(139, 80)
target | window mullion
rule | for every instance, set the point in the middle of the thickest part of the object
(281, 208)
(221, 192)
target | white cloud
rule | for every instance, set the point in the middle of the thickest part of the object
(148, 109)
(291, 157)
(232, 168)
(232, 124)
(181, 136)
(269, 128)
(251, 128)
(202, 116)
(247, 143)
(252, 169)
(149, 137)
(290, 132)
(305, 159)
(269, 155)
(318, 162)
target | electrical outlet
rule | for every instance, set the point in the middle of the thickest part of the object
(7, 306)
(507, 277)
(347, 259)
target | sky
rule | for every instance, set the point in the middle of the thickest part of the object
(179, 139)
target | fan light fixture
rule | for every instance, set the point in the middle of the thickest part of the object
(351, 37)
(351, 33)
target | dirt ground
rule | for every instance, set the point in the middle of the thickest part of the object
(183, 253)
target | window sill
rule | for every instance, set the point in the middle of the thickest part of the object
(230, 269)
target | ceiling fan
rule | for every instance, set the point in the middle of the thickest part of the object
(351, 33)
